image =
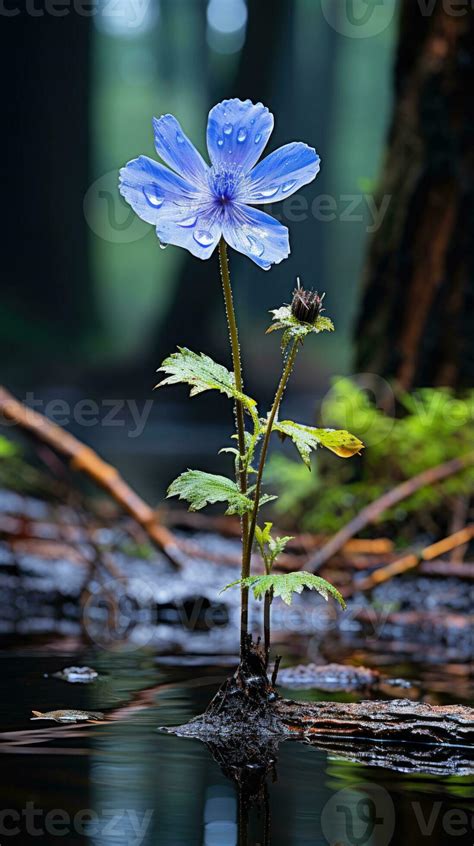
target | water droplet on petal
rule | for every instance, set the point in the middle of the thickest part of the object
(203, 237)
(256, 248)
(180, 138)
(268, 192)
(220, 142)
(258, 137)
(153, 198)
(188, 222)
(288, 186)
(163, 246)
(228, 129)
(241, 135)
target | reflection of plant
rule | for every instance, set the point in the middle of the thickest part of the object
(434, 427)
(199, 207)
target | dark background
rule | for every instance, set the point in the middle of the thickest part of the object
(90, 305)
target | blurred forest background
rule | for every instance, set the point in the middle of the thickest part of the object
(90, 305)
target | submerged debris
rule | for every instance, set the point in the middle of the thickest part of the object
(328, 677)
(68, 716)
(77, 675)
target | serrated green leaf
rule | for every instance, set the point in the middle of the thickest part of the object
(308, 438)
(201, 489)
(287, 584)
(277, 545)
(267, 498)
(197, 370)
(202, 373)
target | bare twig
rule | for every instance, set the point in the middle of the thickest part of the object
(372, 512)
(82, 457)
(409, 562)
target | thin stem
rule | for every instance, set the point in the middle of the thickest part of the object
(240, 425)
(263, 455)
(266, 623)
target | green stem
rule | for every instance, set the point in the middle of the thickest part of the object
(266, 623)
(240, 425)
(263, 455)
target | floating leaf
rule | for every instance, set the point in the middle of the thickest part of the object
(201, 489)
(68, 716)
(307, 438)
(287, 584)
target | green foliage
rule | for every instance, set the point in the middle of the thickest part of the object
(201, 489)
(307, 438)
(294, 329)
(144, 551)
(270, 548)
(287, 584)
(434, 427)
(250, 444)
(7, 449)
(202, 374)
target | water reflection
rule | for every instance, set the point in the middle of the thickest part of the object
(124, 783)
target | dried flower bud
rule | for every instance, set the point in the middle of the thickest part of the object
(306, 305)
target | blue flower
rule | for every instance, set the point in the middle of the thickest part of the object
(193, 205)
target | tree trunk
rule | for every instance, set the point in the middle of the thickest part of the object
(416, 322)
(45, 59)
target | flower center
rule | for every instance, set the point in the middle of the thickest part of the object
(224, 185)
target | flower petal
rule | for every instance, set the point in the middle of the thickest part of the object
(152, 190)
(257, 235)
(237, 133)
(198, 233)
(177, 151)
(181, 213)
(282, 173)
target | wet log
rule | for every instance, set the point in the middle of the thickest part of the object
(397, 720)
(247, 706)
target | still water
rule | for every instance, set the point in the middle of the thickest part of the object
(126, 783)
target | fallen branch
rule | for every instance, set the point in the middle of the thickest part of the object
(398, 719)
(409, 562)
(84, 458)
(372, 512)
